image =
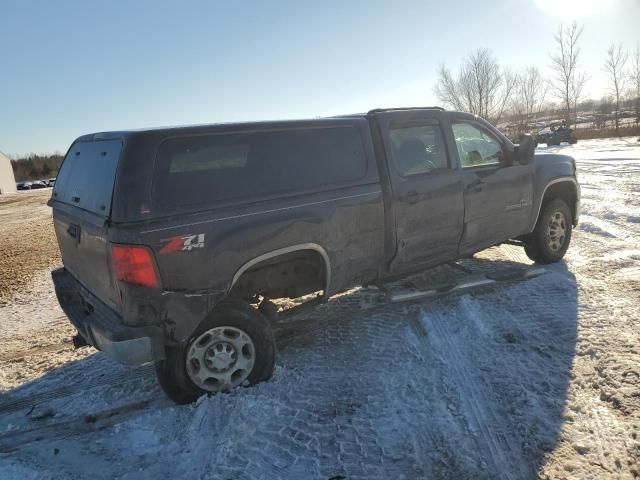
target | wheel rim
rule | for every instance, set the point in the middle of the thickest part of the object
(220, 359)
(557, 231)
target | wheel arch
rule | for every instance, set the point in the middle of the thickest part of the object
(567, 189)
(272, 256)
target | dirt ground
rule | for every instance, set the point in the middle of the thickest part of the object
(27, 240)
(531, 379)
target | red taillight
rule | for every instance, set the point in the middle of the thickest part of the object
(134, 264)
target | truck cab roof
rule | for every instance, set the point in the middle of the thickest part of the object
(203, 128)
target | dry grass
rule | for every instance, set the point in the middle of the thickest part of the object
(589, 133)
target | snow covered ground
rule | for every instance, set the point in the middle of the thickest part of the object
(539, 378)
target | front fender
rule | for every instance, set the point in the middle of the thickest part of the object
(553, 169)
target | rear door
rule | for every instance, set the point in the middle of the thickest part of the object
(426, 188)
(81, 202)
(498, 194)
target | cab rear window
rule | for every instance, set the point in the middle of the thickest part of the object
(87, 175)
(196, 170)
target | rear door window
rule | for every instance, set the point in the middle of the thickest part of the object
(87, 175)
(418, 149)
(197, 170)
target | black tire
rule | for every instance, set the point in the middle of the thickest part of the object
(539, 245)
(172, 372)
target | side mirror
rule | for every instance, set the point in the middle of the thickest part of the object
(525, 150)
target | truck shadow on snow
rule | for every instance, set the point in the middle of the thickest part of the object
(470, 386)
(461, 386)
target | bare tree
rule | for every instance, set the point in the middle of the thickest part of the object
(635, 81)
(577, 90)
(614, 64)
(481, 87)
(567, 82)
(529, 94)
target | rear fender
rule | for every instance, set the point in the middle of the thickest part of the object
(284, 251)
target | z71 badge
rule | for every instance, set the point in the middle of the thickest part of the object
(183, 243)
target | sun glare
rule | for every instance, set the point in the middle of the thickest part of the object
(574, 8)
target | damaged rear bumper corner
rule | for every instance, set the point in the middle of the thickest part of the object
(103, 328)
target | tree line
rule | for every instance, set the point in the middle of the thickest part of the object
(36, 167)
(485, 88)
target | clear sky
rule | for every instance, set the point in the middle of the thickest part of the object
(74, 67)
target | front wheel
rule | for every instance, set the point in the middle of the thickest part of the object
(550, 239)
(233, 346)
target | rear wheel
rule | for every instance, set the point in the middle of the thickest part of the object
(550, 239)
(233, 346)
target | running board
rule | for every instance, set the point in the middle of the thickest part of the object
(470, 282)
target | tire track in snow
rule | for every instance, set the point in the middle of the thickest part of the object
(608, 437)
(596, 427)
(500, 446)
(78, 425)
(33, 400)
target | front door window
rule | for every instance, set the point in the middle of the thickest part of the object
(475, 147)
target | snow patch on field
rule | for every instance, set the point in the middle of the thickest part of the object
(32, 309)
(631, 273)
(602, 226)
(621, 255)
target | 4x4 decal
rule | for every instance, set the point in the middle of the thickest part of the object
(522, 204)
(183, 243)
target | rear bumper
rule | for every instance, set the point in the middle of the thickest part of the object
(103, 328)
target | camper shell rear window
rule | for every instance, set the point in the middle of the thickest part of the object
(87, 175)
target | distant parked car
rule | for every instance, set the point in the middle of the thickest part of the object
(23, 185)
(38, 184)
(51, 182)
(555, 136)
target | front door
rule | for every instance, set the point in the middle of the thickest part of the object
(498, 192)
(427, 201)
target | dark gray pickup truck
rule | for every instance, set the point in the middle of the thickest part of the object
(175, 240)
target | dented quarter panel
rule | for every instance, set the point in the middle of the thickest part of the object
(346, 223)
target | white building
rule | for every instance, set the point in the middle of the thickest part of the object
(7, 180)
